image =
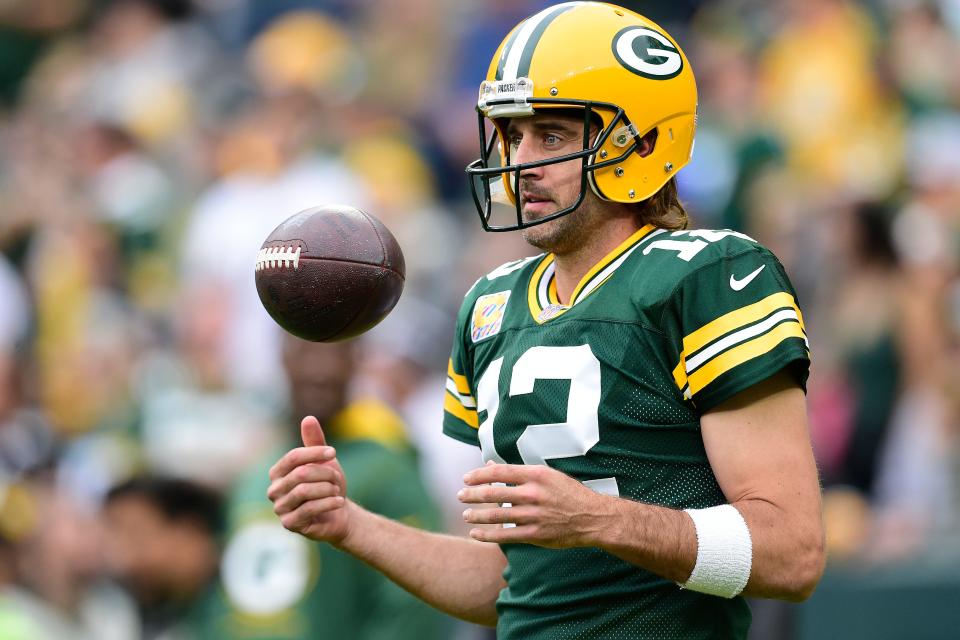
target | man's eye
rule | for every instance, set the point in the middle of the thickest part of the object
(551, 139)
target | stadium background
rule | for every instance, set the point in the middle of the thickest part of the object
(148, 146)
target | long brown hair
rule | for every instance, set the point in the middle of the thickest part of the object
(664, 209)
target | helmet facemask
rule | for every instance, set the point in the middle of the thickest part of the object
(495, 181)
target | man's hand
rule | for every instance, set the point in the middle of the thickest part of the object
(550, 509)
(308, 488)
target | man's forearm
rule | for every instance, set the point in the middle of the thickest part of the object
(659, 539)
(664, 541)
(459, 576)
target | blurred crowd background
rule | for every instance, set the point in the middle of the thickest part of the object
(147, 147)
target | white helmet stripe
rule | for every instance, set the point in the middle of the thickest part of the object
(525, 36)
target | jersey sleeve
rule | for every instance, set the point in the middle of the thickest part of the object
(460, 406)
(734, 323)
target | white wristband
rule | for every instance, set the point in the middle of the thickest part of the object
(724, 552)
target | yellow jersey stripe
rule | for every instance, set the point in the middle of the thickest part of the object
(610, 257)
(452, 406)
(460, 381)
(735, 320)
(532, 298)
(799, 316)
(552, 292)
(742, 353)
(680, 373)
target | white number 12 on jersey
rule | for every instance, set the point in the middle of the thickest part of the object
(541, 442)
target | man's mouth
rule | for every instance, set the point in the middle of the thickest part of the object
(535, 203)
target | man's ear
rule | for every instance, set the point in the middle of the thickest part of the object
(647, 143)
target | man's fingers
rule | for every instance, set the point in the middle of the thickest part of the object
(495, 493)
(303, 493)
(301, 456)
(312, 433)
(304, 474)
(521, 533)
(305, 514)
(498, 515)
(508, 473)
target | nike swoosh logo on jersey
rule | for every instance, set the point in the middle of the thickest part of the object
(737, 285)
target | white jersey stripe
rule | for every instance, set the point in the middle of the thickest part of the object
(466, 401)
(543, 289)
(740, 336)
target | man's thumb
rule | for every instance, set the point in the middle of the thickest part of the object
(312, 433)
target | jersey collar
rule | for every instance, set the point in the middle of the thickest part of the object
(542, 291)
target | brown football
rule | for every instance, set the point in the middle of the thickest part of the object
(329, 273)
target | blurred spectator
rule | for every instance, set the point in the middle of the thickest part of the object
(734, 147)
(917, 493)
(127, 187)
(27, 443)
(307, 50)
(839, 128)
(87, 335)
(404, 40)
(278, 584)
(163, 544)
(26, 27)
(864, 348)
(922, 53)
(149, 60)
(190, 407)
(855, 395)
(16, 519)
(15, 312)
(57, 563)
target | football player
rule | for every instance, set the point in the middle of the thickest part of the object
(637, 391)
(277, 585)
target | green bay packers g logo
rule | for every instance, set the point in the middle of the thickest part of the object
(647, 53)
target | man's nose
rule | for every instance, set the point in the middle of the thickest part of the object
(525, 153)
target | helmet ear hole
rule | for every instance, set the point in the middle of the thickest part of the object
(648, 143)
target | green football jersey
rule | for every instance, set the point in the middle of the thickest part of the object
(277, 585)
(610, 390)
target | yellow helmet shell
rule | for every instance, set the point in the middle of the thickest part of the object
(600, 53)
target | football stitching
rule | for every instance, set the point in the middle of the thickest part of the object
(278, 257)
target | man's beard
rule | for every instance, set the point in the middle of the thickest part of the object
(562, 234)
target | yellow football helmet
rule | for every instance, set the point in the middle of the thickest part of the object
(612, 64)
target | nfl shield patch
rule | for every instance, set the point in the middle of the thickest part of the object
(551, 311)
(488, 315)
